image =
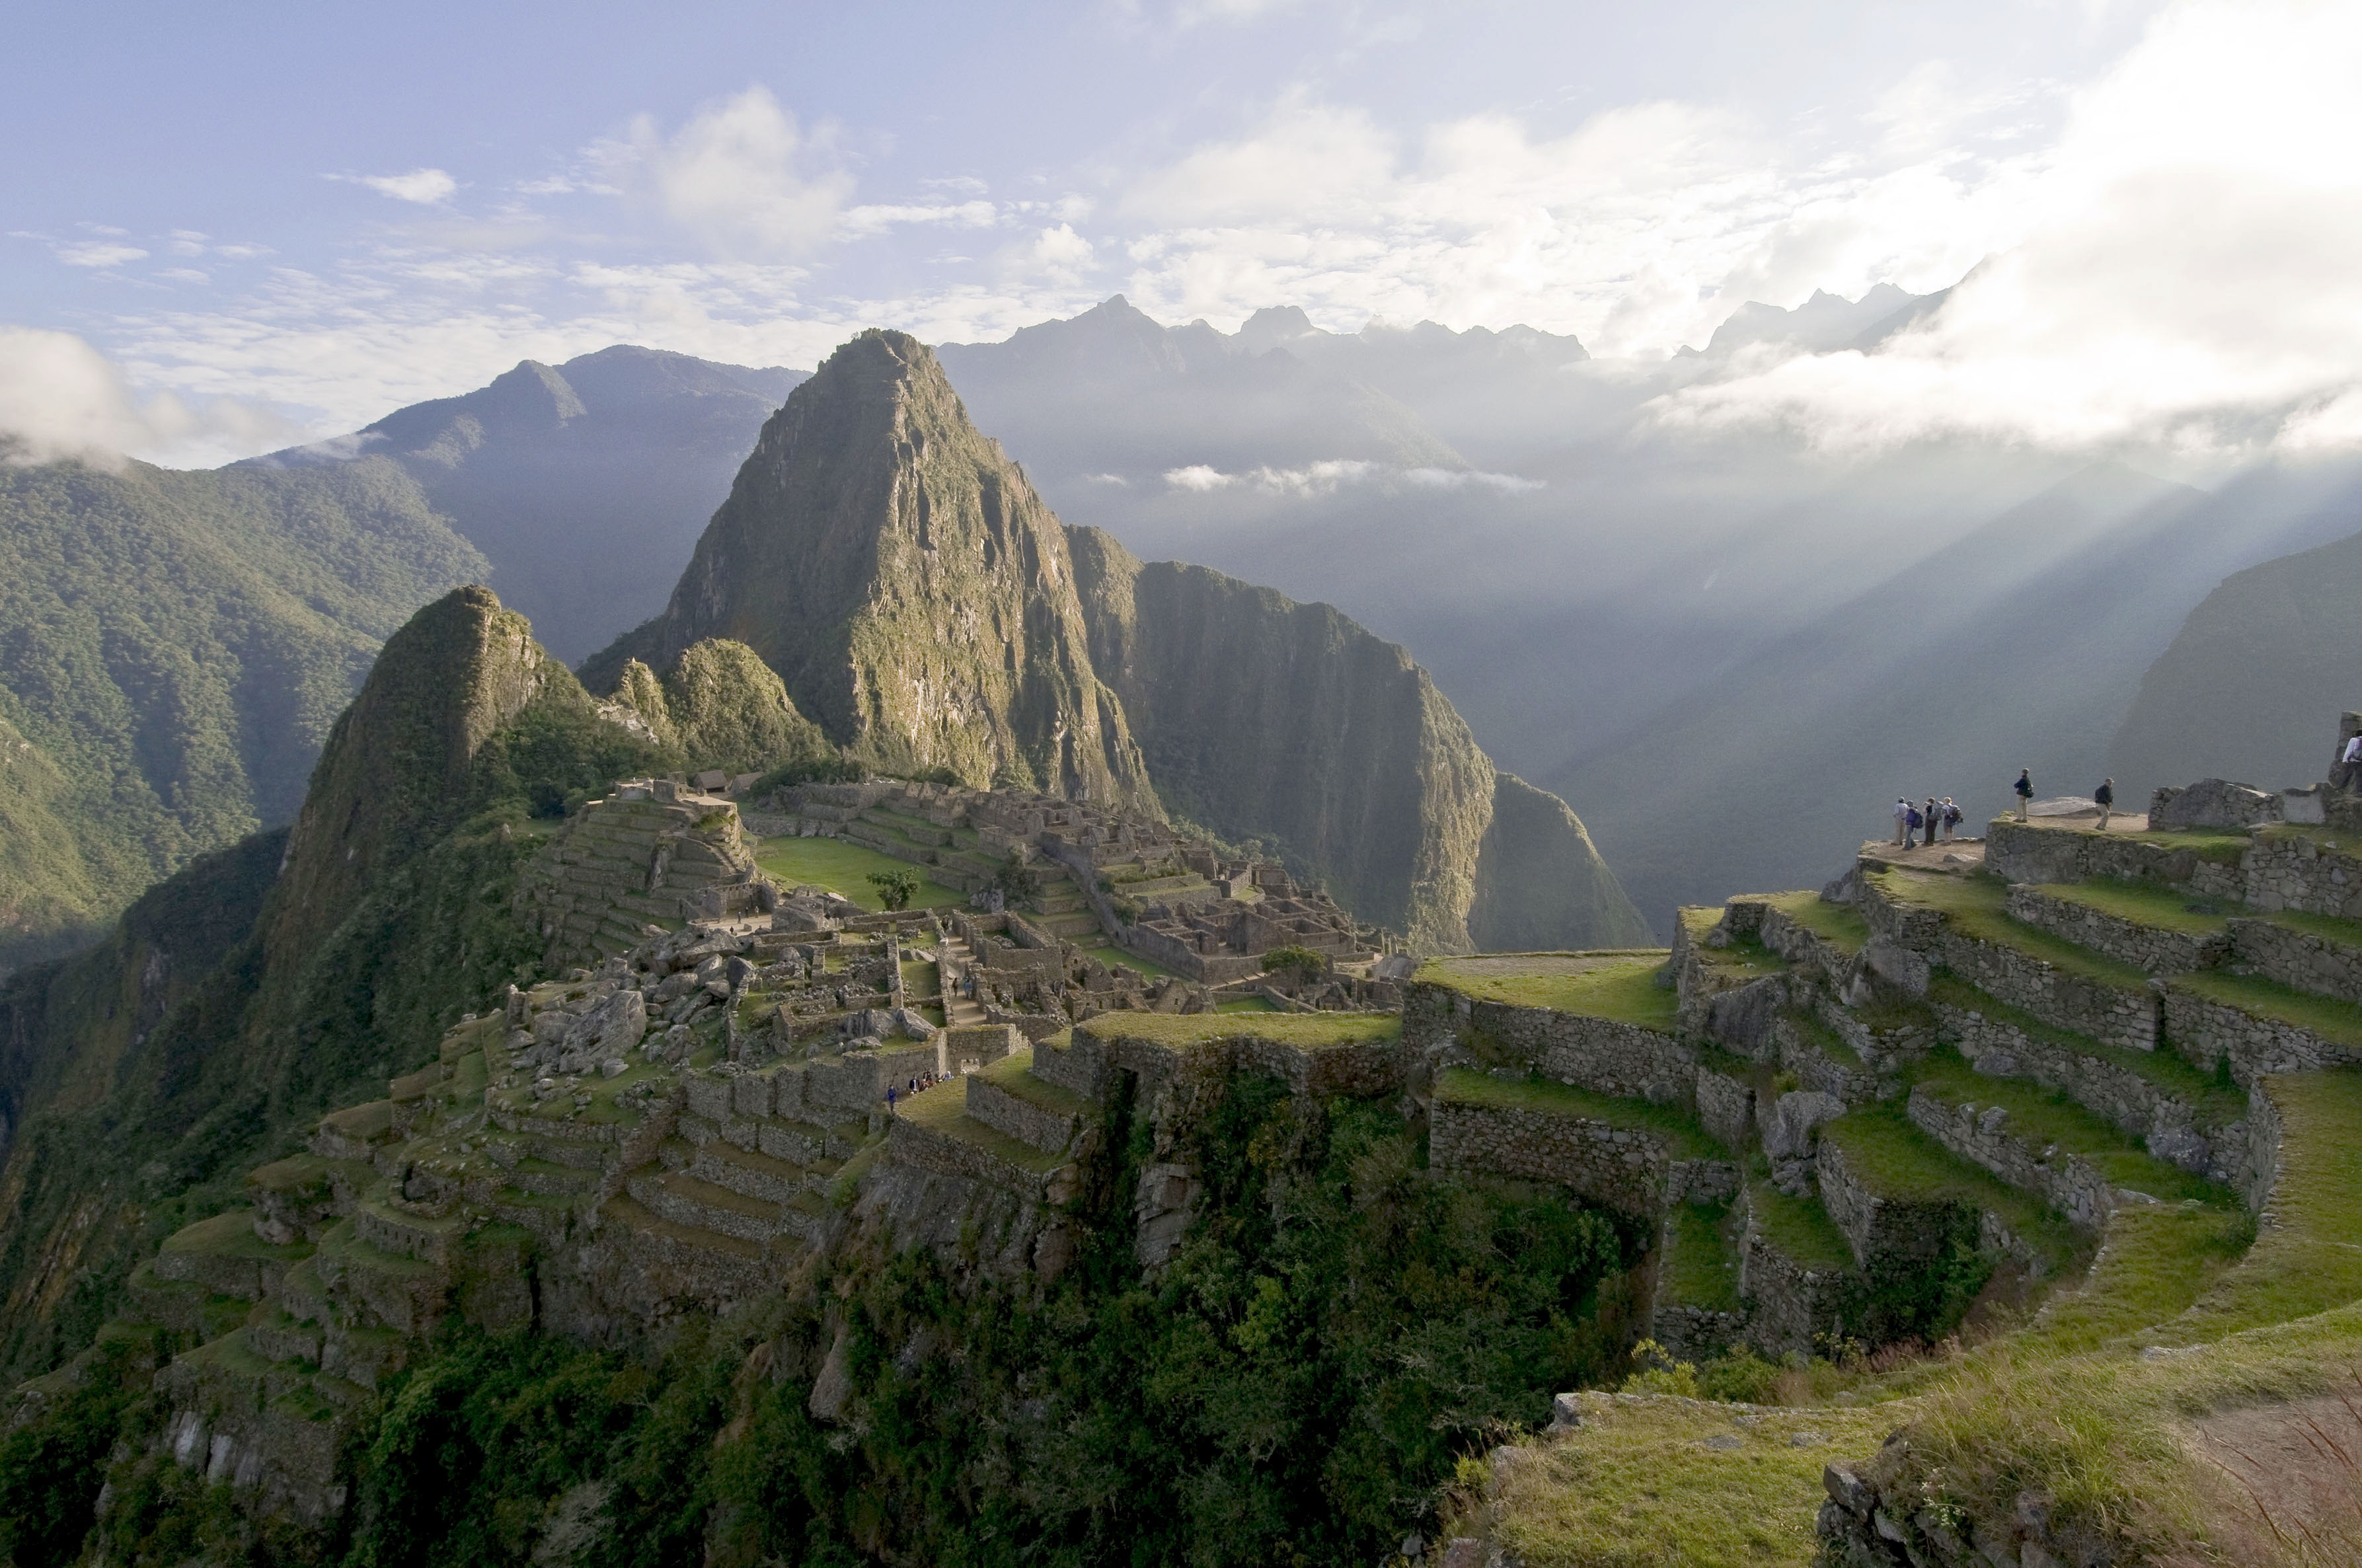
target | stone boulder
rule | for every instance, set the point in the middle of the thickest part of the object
(606, 1031)
(2213, 803)
(1788, 1134)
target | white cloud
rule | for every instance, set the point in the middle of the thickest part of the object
(185, 275)
(741, 176)
(1327, 476)
(857, 221)
(427, 187)
(1199, 477)
(2185, 278)
(99, 253)
(61, 397)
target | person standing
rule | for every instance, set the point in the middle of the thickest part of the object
(1935, 816)
(2025, 789)
(1911, 823)
(1902, 822)
(1952, 818)
(2105, 797)
(2349, 761)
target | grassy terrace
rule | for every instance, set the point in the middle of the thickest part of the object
(843, 868)
(1306, 1031)
(1831, 922)
(230, 1234)
(1620, 987)
(1747, 954)
(1684, 1139)
(1109, 953)
(1799, 1227)
(2222, 845)
(2339, 1023)
(1972, 907)
(2329, 928)
(1704, 1269)
(2046, 1119)
(1014, 1074)
(2340, 841)
(1669, 1481)
(2142, 903)
(943, 1109)
(2217, 1103)
(1824, 1039)
(1898, 1161)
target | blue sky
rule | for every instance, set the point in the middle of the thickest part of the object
(244, 225)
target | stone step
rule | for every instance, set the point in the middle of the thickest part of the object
(1006, 1096)
(2158, 1099)
(430, 1240)
(2257, 1027)
(749, 1175)
(2318, 954)
(686, 1200)
(1069, 926)
(2153, 928)
(391, 1289)
(1903, 1199)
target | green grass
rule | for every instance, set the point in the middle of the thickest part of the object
(230, 1234)
(943, 1109)
(1799, 1229)
(1838, 923)
(1621, 988)
(2329, 928)
(2157, 1261)
(1013, 1074)
(1972, 907)
(1897, 1162)
(1637, 1486)
(843, 868)
(2338, 841)
(2340, 1022)
(1307, 1031)
(919, 979)
(1703, 1270)
(1825, 1040)
(1109, 953)
(1246, 1004)
(2045, 1118)
(2216, 1104)
(1684, 1137)
(2141, 903)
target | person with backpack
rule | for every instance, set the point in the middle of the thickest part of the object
(1913, 822)
(2105, 798)
(2024, 788)
(1952, 818)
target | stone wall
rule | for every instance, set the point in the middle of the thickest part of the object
(1048, 1130)
(623, 863)
(1793, 1306)
(1598, 1054)
(2110, 1014)
(1982, 1135)
(1097, 1050)
(2148, 947)
(1725, 1108)
(2021, 853)
(2167, 1126)
(2208, 1034)
(1627, 1170)
(2299, 959)
(922, 1148)
(1695, 1333)
(2294, 871)
(1883, 1231)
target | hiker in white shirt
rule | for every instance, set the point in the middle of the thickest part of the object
(1901, 820)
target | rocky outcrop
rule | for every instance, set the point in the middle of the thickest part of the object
(1263, 716)
(722, 706)
(908, 585)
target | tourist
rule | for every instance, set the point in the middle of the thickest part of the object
(1933, 814)
(1901, 820)
(2024, 788)
(2105, 796)
(1952, 815)
(2347, 760)
(1912, 821)
(890, 1100)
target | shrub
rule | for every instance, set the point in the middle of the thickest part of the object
(1302, 963)
(895, 889)
(809, 770)
(1016, 881)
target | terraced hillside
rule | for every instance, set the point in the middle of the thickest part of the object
(2080, 1147)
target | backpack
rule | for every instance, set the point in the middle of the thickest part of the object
(1952, 815)
(1914, 821)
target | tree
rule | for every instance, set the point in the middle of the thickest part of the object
(1301, 962)
(895, 888)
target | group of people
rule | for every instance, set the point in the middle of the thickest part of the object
(922, 1081)
(1929, 817)
(2104, 796)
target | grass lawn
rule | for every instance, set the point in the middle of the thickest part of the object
(2329, 928)
(1013, 1074)
(1972, 907)
(1307, 1031)
(1109, 953)
(2142, 903)
(2217, 1104)
(843, 868)
(2047, 1118)
(1684, 1137)
(1898, 1161)
(1799, 1227)
(1620, 986)
(1838, 923)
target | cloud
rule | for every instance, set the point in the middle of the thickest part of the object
(98, 253)
(857, 221)
(1329, 475)
(1199, 478)
(427, 187)
(60, 397)
(741, 176)
(2184, 279)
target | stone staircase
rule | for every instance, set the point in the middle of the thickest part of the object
(1062, 909)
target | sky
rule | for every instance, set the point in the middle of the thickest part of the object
(228, 228)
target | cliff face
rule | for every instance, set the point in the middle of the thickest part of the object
(1263, 716)
(722, 707)
(907, 584)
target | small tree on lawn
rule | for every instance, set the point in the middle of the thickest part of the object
(895, 889)
(1303, 964)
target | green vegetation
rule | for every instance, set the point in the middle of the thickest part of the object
(1624, 988)
(2339, 1023)
(1800, 1229)
(1973, 906)
(1684, 1137)
(1302, 963)
(2142, 903)
(1306, 1031)
(1825, 1040)
(1704, 1269)
(1839, 923)
(2049, 1119)
(2329, 928)
(943, 1109)
(843, 868)
(1899, 1162)
(2218, 1103)
(1245, 1004)
(895, 889)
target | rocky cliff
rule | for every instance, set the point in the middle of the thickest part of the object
(1263, 716)
(911, 588)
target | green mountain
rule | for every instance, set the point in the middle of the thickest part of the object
(173, 647)
(926, 610)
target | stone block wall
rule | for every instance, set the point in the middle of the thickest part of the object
(1882, 1229)
(1695, 1333)
(1982, 1135)
(1792, 1306)
(2208, 1032)
(1801, 945)
(1097, 1050)
(1816, 1070)
(2295, 872)
(2143, 946)
(2167, 1126)
(922, 1148)
(1048, 1130)
(2108, 1014)
(2021, 853)
(1725, 1108)
(1596, 1054)
(2299, 959)
(1627, 1170)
